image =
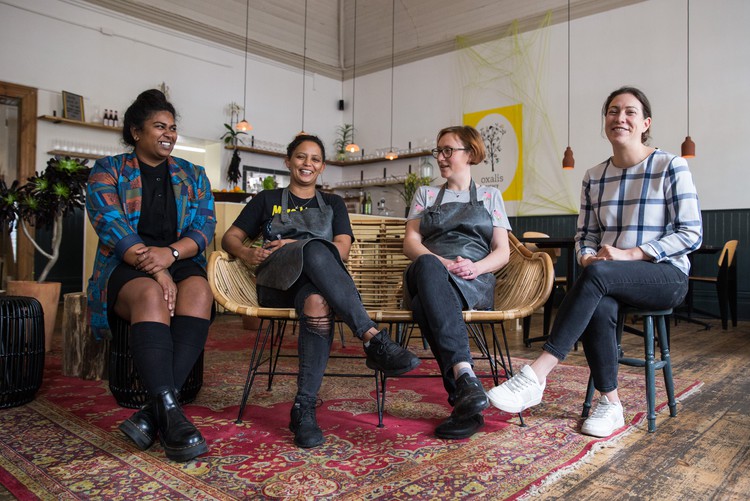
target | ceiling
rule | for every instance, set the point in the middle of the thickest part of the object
(423, 28)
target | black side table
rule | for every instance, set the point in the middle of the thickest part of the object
(21, 349)
(124, 382)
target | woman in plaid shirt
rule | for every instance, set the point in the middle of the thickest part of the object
(639, 220)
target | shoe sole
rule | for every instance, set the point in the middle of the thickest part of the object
(186, 454)
(512, 409)
(595, 433)
(136, 435)
(392, 373)
(459, 436)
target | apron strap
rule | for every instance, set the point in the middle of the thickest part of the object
(285, 204)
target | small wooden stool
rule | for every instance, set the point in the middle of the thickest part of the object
(21, 350)
(651, 365)
(124, 382)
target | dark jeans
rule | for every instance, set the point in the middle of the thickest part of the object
(589, 310)
(436, 306)
(323, 275)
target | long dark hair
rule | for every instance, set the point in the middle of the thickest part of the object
(145, 105)
(640, 96)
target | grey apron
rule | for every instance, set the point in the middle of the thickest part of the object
(284, 266)
(462, 229)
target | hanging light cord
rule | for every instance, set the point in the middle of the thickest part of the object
(244, 88)
(354, 67)
(304, 68)
(688, 67)
(393, 52)
(568, 72)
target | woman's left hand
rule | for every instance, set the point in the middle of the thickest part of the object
(152, 260)
(273, 245)
(463, 268)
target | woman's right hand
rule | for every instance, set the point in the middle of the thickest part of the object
(255, 255)
(164, 279)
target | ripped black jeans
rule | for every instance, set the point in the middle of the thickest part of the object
(321, 274)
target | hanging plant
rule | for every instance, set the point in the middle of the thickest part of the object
(233, 171)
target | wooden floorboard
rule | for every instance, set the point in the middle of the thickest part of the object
(702, 453)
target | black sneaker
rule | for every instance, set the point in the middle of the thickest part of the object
(457, 429)
(470, 397)
(305, 427)
(388, 357)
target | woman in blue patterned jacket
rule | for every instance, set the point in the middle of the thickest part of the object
(639, 220)
(154, 215)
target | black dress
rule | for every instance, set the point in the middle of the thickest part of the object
(157, 226)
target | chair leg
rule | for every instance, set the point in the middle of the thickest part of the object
(589, 398)
(648, 340)
(256, 359)
(723, 293)
(663, 331)
(380, 381)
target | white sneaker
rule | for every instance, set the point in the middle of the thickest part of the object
(607, 417)
(518, 393)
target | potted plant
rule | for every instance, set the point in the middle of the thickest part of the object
(345, 134)
(43, 202)
(411, 183)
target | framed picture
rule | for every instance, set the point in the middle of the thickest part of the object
(72, 106)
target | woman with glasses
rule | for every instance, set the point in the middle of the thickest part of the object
(307, 236)
(457, 237)
(639, 220)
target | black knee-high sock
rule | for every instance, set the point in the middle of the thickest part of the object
(151, 348)
(189, 336)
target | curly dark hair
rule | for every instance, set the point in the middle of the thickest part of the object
(145, 105)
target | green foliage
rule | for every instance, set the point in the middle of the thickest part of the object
(230, 136)
(47, 195)
(269, 183)
(411, 184)
(345, 134)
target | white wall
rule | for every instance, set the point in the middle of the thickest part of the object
(642, 45)
(70, 45)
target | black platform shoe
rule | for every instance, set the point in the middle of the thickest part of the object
(141, 427)
(180, 438)
(470, 398)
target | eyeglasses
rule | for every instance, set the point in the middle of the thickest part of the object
(447, 151)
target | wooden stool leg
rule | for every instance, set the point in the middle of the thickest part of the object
(663, 332)
(648, 340)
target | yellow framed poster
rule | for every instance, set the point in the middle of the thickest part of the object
(502, 131)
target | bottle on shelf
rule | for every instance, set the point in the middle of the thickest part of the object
(368, 204)
(107, 120)
(116, 123)
(361, 201)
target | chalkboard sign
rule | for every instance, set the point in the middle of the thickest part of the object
(72, 106)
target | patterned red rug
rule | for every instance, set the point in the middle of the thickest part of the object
(65, 444)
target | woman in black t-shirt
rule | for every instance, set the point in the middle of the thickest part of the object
(307, 236)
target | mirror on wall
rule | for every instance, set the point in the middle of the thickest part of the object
(9, 132)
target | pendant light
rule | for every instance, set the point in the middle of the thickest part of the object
(304, 69)
(568, 161)
(244, 125)
(392, 155)
(688, 146)
(353, 147)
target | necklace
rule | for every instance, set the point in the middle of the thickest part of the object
(299, 206)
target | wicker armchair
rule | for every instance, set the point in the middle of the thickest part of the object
(376, 264)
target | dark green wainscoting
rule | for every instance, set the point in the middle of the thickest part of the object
(718, 227)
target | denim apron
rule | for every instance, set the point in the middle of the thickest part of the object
(462, 229)
(284, 266)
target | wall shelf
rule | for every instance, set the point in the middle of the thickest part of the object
(78, 123)
(75, 154)
(340, 163)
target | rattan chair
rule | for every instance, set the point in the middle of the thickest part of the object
(376, 263)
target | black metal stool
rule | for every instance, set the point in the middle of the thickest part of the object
(124, 382)
(651, 365)
(21, 349)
